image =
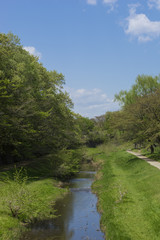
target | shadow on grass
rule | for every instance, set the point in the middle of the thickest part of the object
(134, 160)
(35, 170)
(154, 156)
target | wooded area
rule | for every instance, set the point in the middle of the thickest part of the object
(36, 116)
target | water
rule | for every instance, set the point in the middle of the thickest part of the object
(78, 217)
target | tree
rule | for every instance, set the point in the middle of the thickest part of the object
(36, 115)
(144, 85)
(141, 111)
(145, 119)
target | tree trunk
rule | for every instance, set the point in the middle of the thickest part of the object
(152, 149)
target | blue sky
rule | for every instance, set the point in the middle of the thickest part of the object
(99, 45)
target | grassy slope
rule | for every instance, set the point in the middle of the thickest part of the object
(43, 192)
(129, 196)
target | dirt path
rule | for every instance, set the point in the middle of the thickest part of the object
(150, 161)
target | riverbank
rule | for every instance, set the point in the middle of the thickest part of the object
(128, 193)
(28, 194)
(34, 201)
(77, 216)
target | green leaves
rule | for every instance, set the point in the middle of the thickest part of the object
(34, 109)
(19, 198)
(141, 111)
(144, 85)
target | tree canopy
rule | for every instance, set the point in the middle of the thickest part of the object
(35, 112)
(144, 85)
(141, 111)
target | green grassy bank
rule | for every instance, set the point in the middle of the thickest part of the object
(129, 195)
(28, 203)
(28, 193)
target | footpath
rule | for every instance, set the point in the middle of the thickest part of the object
(150, 161)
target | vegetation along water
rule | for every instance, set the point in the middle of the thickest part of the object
(77, 216)
(43, 145)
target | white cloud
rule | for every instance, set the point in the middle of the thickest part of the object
(110, 3)
(33, 51)
(154, 3)
(141, 27)
(91, 103)
(92, 2)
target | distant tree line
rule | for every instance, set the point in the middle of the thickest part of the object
(138, 121)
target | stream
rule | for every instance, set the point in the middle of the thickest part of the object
(78, 218)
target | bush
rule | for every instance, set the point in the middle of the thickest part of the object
(20, 200)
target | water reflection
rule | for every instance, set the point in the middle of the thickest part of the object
(78, 217)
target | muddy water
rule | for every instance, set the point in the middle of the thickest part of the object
(77, 219)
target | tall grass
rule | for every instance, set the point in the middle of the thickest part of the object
(25, 199)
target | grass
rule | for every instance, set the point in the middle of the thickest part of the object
(26, 198)
(129, 195)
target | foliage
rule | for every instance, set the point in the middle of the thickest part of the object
(85, 126)
(25, 198)
(35, 111)
(20, 200)
(91, 131)
(145, 85)
(65, 169)
(140, 113)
